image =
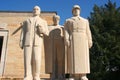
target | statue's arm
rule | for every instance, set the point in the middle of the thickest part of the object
(62, 31)
(46, 29)
(90, 43)
(66, 33)
(43, 28)
(22, 35)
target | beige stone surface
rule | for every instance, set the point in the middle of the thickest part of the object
(14, 64)
(78, 40)
(55, 53)
(58, 47)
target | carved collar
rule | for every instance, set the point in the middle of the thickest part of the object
(74, 18)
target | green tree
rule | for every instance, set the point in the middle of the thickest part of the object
(105, 53)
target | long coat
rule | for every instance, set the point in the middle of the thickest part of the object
(32, 30)
(54, 53)
(77, 32)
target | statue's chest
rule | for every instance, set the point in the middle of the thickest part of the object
(78, 25)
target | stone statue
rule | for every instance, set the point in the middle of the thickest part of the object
(78, 40)
(31, 41)
(58, 49)
(56, 38)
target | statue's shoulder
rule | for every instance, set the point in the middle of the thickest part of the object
(84, 19)
(30, 19)
(24, 22)
(62, 27)
(69, 20)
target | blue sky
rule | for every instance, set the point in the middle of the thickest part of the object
(62, 7)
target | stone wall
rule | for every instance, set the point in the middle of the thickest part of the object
(14, 65)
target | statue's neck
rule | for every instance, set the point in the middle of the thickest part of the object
(36, 16)
(77, 16)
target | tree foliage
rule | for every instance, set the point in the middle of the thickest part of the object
(105, 53)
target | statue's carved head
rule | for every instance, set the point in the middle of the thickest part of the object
(76, 10)
(56, 19)
(36, 10)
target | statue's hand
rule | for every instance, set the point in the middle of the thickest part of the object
(40, 29)
(21, 45)
(90, 44)
(67, 43)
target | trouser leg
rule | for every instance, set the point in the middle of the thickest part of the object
(37, 62)
(27, 63)
(37, 53)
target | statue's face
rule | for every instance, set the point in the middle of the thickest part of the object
(56, 21)
(36, 11)
(76, 12)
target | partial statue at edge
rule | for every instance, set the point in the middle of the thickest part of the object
(78, 40)
(31, 41)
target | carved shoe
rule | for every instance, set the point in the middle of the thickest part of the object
(36, 78)
(28, 78)
(84, 78)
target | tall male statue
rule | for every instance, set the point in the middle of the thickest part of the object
(31, 41)
(78, 40)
